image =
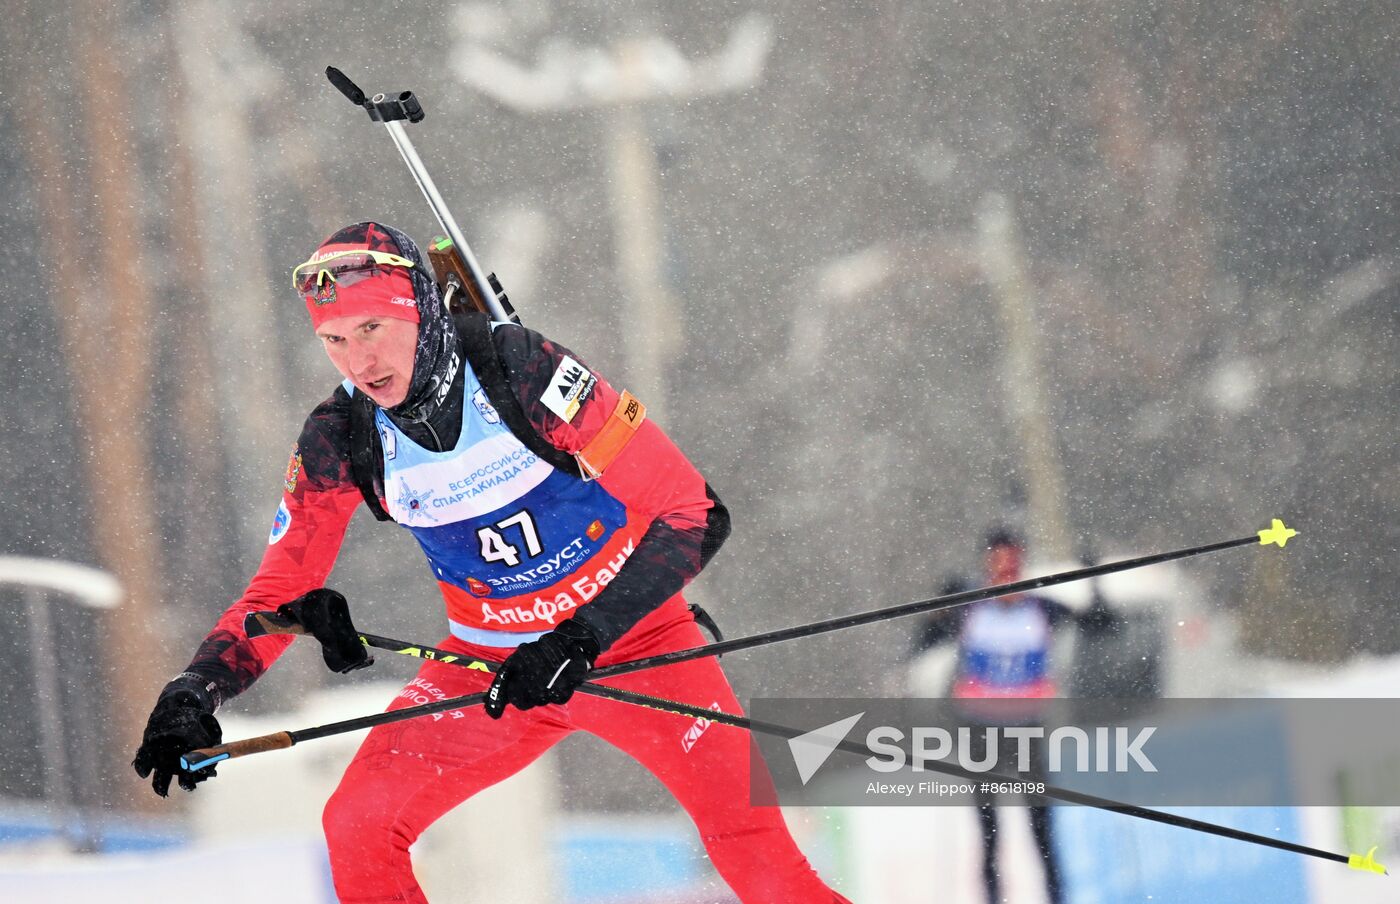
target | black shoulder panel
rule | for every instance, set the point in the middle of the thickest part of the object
(475, 330)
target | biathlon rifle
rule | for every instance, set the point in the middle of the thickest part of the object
(461, 280)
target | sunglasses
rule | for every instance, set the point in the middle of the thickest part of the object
(344, 268)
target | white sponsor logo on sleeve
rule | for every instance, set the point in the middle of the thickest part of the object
(568, 389)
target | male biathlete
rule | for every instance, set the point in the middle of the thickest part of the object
(560, 524)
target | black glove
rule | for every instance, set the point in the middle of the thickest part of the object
(545, 670)
(183, 720)
(326, 616)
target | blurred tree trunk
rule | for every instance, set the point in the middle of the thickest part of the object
(1157, 126)
(1023, 380)
(223, 78)
(201, 564)
(102, 307)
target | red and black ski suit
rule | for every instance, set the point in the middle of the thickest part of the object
(517, 545)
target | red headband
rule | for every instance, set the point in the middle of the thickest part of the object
(389, 294)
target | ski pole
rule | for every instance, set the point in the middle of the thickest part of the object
(1278, 534)
(195, 760)
(258, 623)
(262, 623)
(198, 759)
(392, 112)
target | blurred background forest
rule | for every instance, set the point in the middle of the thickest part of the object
(1124, 272)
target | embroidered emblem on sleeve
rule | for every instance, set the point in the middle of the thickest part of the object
(289, 481)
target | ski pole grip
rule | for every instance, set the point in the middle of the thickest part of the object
(348, 88)
(258, 624)
(208, 756)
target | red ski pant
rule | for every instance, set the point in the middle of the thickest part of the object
(407, 774)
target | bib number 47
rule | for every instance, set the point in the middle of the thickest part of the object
(495, 547)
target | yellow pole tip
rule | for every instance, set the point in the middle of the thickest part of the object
(1367, 863)
(1278, 533)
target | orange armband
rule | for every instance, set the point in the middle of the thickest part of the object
(604, 448)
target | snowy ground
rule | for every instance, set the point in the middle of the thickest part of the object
(515, 843)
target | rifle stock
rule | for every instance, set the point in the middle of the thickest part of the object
(452, 274)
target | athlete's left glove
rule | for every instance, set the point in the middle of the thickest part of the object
(326, 617)
(545, 670)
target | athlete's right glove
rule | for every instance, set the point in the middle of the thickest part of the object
(326, 616)
(183, 720)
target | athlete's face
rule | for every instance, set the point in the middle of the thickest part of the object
(1004, 567)
(374, 353)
